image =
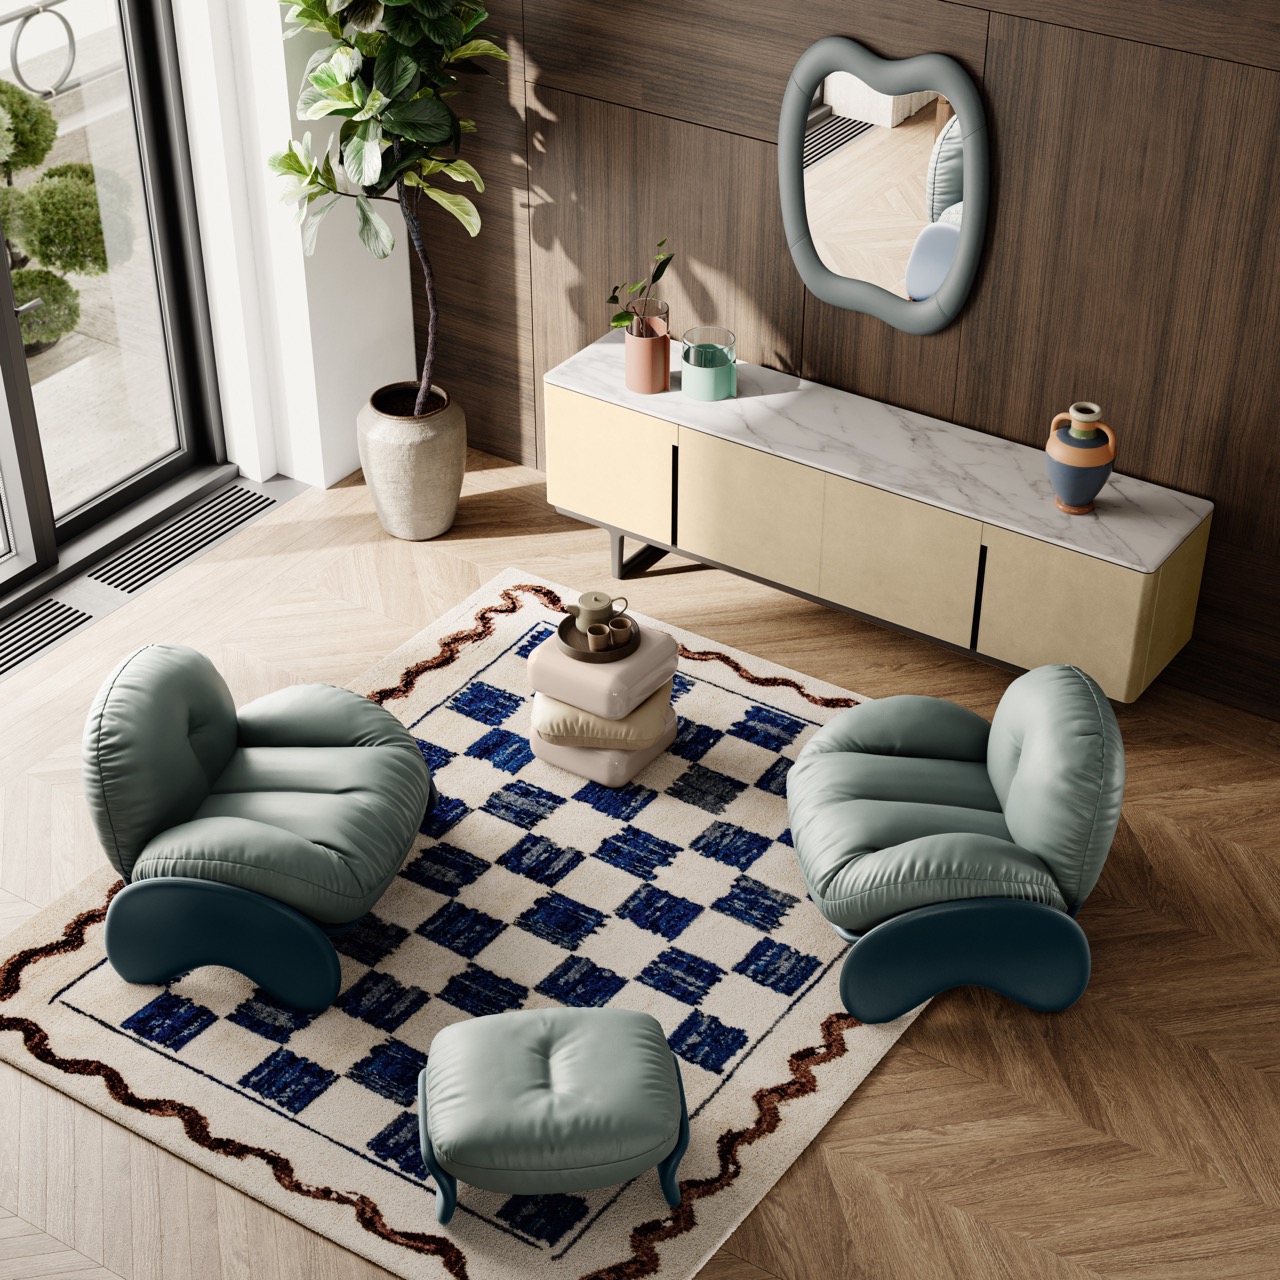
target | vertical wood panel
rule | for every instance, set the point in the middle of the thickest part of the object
(608, 183)
(485, 355)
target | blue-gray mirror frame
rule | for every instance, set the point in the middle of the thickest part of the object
(928, 71)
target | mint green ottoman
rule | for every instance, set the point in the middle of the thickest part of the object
(547, 1100)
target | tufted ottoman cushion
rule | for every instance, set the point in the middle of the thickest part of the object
(550, 1100)
(564, 725)
(608, 689)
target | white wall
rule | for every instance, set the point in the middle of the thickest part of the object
(847, 95)
(300, 342)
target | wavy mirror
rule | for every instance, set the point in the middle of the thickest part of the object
(882, 172)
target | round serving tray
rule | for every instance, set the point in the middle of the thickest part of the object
(574, 642)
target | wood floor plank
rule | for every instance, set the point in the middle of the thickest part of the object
(117, 1200)
(1136, 1137)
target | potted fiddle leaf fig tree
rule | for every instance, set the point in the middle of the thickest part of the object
(388, 78)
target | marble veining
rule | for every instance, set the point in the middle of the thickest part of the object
(1135, 524)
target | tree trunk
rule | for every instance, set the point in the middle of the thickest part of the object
(409, 207)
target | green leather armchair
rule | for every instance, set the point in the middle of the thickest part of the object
(246, 839)
(953, 852)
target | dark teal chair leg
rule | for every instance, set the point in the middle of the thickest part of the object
(157, 930)
(1025, 951)
(446, 1183)
(667, 1167)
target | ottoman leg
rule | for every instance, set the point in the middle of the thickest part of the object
(446, 1183)
(667, 1168)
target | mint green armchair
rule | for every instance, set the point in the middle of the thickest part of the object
(953, 852)
(244, 839)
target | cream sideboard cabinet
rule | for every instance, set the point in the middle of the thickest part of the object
(911, 521)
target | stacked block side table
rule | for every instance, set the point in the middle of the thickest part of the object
(615, 702)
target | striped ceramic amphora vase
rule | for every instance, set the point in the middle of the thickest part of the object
(1081, 454)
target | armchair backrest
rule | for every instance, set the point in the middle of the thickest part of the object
(944, 178)
(1056, 762)
(160, 732)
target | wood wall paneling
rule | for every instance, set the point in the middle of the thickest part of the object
(1133, 263)
(1238, 30)
(607, 183)
(723, 64)
(485, 344)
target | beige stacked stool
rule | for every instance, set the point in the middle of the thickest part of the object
(603, 720)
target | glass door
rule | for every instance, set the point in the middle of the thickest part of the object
(105, 385)
(27, 538)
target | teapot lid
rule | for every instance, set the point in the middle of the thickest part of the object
(594, 599)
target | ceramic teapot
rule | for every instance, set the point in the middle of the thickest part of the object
(593, 607)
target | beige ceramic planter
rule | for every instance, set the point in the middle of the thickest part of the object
(413, 465)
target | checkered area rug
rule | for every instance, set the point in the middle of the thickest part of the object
(527, 888)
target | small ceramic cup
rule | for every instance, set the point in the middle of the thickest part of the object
(620, 631)
(597, 637)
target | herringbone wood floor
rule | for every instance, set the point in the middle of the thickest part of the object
(1135, 1137)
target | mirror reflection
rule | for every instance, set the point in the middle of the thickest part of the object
(884, 185)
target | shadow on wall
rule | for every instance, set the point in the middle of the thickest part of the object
(606, 183)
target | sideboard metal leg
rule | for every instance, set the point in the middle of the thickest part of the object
(624, 566)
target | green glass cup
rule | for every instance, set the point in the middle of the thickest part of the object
(708, 365)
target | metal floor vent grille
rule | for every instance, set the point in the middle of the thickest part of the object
(181, 538)
(830, 136)
(37, 628)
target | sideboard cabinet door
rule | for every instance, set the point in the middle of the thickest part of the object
(609, 463)
(749, 510)
(904, 561)
(1042, 603)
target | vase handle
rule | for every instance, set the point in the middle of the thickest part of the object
(1111, 437)
(1053, 426)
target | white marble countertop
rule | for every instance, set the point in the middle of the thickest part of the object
(1135, 524)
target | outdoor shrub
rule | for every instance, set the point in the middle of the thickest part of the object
(61, 310)
(33, 125)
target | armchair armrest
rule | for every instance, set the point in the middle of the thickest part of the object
(906, 725)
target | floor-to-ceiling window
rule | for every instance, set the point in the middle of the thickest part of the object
(103, 330)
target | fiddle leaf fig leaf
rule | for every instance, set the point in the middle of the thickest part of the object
(362, 15)
(393, 70)
(461, 171)
(479, 49)
(421, 120)
(372, 105)
(362, 154)
(461, 208)
(337, 69)
(311, 228)
(374, 233)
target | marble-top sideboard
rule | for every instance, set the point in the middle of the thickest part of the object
(1136, 524)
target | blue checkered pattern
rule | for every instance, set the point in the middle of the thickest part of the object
(530, 888)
